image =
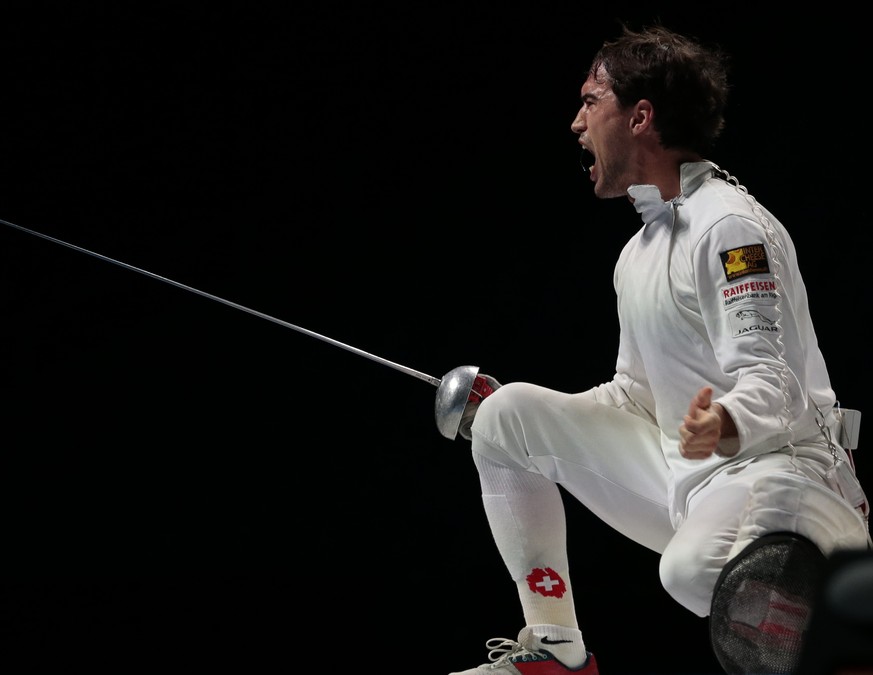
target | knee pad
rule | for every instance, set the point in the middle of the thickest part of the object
(762, 604)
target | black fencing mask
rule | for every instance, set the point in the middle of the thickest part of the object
(762, 604)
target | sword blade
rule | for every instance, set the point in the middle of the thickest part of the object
(360, 352)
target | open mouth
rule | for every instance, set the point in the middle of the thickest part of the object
(586, 160)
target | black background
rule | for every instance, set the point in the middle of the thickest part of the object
(187, 485)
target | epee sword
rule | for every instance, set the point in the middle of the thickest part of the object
(455, 389)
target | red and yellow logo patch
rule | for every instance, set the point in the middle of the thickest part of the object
(739, 262)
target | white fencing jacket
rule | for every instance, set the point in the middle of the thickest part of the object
(710, 293)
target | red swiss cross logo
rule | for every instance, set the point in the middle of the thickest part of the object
(546, 582)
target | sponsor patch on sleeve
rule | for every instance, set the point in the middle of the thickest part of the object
(753, 320)
(757, 291)
(739, 262)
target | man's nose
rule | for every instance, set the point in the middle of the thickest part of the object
(578, 124)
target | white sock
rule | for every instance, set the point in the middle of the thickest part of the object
(565, 643)
(526, 515)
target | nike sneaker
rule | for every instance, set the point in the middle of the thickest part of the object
(529, 655)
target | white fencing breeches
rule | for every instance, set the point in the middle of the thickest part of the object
(605, 451)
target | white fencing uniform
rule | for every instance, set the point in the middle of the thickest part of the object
(709, 293)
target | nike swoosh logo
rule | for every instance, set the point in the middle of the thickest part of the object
(547, 641)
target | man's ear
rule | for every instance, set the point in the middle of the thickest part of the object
(642, 117)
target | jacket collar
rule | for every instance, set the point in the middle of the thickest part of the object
(647, 198)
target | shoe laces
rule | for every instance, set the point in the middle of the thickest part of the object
(504, 651)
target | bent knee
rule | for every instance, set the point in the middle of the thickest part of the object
(506, 421)
(507, 407)
(688, 573)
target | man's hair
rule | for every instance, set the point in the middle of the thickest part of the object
(685, 81)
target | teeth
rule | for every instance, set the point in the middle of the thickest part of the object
(586, 159)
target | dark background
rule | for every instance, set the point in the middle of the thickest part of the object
(186, 485)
